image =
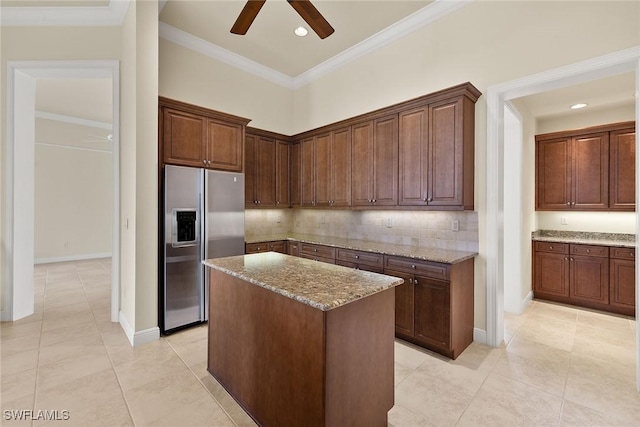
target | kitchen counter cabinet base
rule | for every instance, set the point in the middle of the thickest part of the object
(287, 363)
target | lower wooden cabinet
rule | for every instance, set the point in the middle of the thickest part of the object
(585, 275)
(275, 246)
(434, 306)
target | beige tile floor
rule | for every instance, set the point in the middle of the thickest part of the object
(560, 367)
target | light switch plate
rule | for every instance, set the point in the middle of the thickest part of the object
(455, 225)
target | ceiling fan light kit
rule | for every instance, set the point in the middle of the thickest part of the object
(305, 9)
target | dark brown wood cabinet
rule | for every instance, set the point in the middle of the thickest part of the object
(437, 155)
(199, 137)
(622, 276)
(283, 179)
(360, 260)
(622, 169)
(317, 252)
(375, 162)
(587, 170)
(260, 171)
(434, 307)
(296, 175)
(591, 276)
(275, 246)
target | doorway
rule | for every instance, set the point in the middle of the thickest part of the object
(18, 282)
(608, 65)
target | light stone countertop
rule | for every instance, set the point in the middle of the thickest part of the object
(423, 253)
(317, 284)
(585, 238)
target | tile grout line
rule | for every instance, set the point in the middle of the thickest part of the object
(201, 383)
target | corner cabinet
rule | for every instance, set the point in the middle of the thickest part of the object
(199, 137)
(586, 170)
(267, 164)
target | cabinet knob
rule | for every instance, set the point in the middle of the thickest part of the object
(430, 199)
(374, 200)
(568, 203)
(413, 266)
(550, 247)
(632, 253)
(315, 249)
(566, 258)
(357, 256)
(204, 162)
(573, 203)
(588, 250)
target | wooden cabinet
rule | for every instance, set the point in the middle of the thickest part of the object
(436, 164)
(275, 246)
(198, 137)
(296, 176)
(573, 173)
(325, 161)
(283, 165)
(434, 307)
(317, 252)
(622, 276)
(375, 162)
(591, 276)
(360, 260)
(622, 169)
(590, 169)
(260, 171)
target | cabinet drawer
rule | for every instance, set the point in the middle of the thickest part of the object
(430, 269)
(357, 266)
(558, 248)
(254, 248)
(360, 257)
(318, 258)
(278, 246)
(623, 253)
(312, 250)
(590, 250)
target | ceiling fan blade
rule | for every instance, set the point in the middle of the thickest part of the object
(310, 14)
(246, 17)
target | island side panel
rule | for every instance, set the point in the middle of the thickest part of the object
(267, 351)
(462, 306)
(360, 361)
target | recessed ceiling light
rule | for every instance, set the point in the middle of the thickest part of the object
(578, 106)
(301, 31)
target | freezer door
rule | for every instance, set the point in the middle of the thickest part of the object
(224, 224)
(183, 271)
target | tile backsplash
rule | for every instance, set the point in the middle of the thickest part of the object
(416, 228)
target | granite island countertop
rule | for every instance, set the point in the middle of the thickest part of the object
(585, 237)
(446, 256)
(317, 284)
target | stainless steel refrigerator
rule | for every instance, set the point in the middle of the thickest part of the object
(203, 218)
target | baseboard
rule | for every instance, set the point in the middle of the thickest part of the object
(526, 301)
(71, 258)
(479, 336)
(5, 316)
(140, 337)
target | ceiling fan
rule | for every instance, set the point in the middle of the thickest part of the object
(305, 9)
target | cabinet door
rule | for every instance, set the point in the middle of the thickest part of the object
(224, 146)
(362, 164)
(413, 157)
(404, 303)
(622, 285)
(307, 172)
(432, 312)
(282, 174)
(445, 154)
(183, 137)
(266, 172)
(589, 279)
(553, 174)
(296, 159)
(590, 176)
(551, 275)
(340, 181)
(622, 170)
(250, 190)
(322, 165)
(385, 161)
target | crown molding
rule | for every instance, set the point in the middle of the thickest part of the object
(422, 17)
(73, 120)
(214, 51)
(88, 16)
(411, 23)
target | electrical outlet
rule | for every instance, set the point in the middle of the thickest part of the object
(455, 225)
(389, 223)
(279, 219)
(322, 219)
(563, 220)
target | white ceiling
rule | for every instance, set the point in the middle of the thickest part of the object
(271, 44)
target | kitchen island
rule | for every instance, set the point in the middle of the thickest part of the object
(299, 342)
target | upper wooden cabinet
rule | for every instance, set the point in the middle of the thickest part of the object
(199, 137)
(375, 162)
(437, 154)
(590, 169)
(266, 170)
(326, 169)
